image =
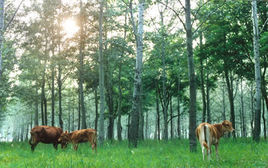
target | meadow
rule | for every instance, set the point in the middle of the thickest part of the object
(149, 154)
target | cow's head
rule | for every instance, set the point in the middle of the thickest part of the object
(64, 139)
(227, 126)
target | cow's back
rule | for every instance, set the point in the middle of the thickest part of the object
(46, 134)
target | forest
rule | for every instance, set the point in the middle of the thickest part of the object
(140, 72)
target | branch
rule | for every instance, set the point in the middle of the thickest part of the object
(199, 8)
(175, 14)
(12, 18)
(182, 5)
(263, 26)
(204, 20)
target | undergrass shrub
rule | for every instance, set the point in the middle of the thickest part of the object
(149, 154)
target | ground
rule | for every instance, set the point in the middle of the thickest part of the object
(149, 154)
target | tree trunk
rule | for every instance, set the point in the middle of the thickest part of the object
(45, 104)
(79, 110)
(192, 80)
(101, 76)
(223, 103)
(171, 120)
(231, 97)
(157, 114)
(252, 109)
(163, 75)
(264, 121)
(119, 126)
(81, 67)
(208, 96)
(243, 112)
(134, 124)
(36, 108)
(202, 81)
(2, 2)
(59, 74)
(96, 108)
(141, 118)
(257, 125)
(147, 125)
(52, 93)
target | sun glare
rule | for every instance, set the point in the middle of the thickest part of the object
(70, 27)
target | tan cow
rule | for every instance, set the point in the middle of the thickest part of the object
(45, 134)
(78, 136)
(210, 134)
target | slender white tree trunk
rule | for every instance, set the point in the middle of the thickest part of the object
(101, 77)
(257, 125)
(134, 125)
(1, 33)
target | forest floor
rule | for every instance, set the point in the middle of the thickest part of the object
(149, 154)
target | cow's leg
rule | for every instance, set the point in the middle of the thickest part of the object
(203, 152)
(216, 148)
(75, 146)
(209, 152)
(55, 145)
(33, 146)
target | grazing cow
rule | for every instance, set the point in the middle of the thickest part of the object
(45, 134)
(210, 134)
(78, 136)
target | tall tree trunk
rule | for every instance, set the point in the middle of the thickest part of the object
(2, 2)
(257, 125)
(223, 103)
(202, 81)
(263, 119)
(192, 80)
(45, 104)
(81, 66)
(179, 101)
(252, 109)
(141, 118)
(101, 76)
(230, 96)
(52, 93)
(96, 108)
(243, 112)
(157, 113)
(60, 97)
(119, 126)
(134, 125)
(43, 98)
(208, 96)
(163, 75)
(36, 108)
(79, 110)
(147, 125)
(171, 120)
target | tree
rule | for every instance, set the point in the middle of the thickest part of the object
(1, 33)
(257, 125)
(138, 33)
(101, 76)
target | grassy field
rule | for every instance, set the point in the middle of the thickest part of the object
(150, 154)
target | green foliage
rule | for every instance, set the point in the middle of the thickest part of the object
(175, 153)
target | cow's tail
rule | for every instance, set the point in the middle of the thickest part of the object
(205, 136)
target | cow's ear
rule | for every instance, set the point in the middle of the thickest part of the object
(66, 132)
(223, 123)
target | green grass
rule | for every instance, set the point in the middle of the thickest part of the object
(149, 154)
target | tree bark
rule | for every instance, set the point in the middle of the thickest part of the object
(81, 67)
(96, 108)
(2, 2)
(101, 76)
(202, 82)
(36, 108)
(52, 92)
(157, 114)
(171, 120)
(134, 125)
(257, 125)
(163, 75)
(192, 80)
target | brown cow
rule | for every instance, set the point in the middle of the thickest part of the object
(209, 135)
(45, 134)
(78, 136)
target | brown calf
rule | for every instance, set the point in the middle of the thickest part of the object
(78, 136)
(209, 135)
(45, 134)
